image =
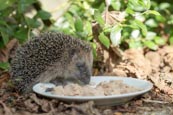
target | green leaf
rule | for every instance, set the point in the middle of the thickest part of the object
(74, 9)
(148, 4)
(6, 3)
(116, 4)
(135, 34)
(151, 45)
(159, 40)
(89, 38)
(5, 38)
(132, 3)
(171, 40)
(94, 47)
(150, 35)
(101, 7)
(129, 11)
(4, 65)
(44, 15)
(115, 35)
(135, 44)
(88, 27)
(137, 5)
(28, 1)
(107, 29)
(32, 23)
(88, 30)
(4, 27)
(152, 12)
(22, 35)
(23, 5)
(104, 40)
(161, 19)
(3, 22)
(141, 26)
(163, 6)
(98, 18)
(78, 25)
(151, 23)
(69, 17)
(1, 44)
(81, 35)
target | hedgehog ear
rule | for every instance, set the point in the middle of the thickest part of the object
(73, 52)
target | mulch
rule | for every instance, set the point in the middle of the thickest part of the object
(154, 66)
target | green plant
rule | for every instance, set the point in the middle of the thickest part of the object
(118, 22)
(4, 65)
(15, 22)
(162, 24)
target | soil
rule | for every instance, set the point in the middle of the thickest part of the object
(155, 66)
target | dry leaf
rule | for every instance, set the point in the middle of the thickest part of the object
(118, 113)
(113, 17)
(8, 51)
(4, 77)
(6, 110)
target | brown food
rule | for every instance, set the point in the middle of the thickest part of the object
(102, 89)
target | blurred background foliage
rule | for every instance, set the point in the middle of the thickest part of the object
(18, 18)
(114, 23)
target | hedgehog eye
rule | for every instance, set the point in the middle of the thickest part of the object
(81, 66)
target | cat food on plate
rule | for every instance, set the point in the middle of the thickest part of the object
(104, 88)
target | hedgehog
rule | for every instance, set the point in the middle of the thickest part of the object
(51, 57)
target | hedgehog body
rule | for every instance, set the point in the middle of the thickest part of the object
(51, 57)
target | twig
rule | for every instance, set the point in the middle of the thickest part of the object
(155, 101)
(117, 51)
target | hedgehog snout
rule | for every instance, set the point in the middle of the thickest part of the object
(85, 72)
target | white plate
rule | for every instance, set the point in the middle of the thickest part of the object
(99, 100)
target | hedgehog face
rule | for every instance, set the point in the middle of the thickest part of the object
(80, 67)
(84, 72)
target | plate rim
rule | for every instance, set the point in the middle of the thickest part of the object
(132, 94)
